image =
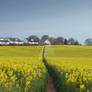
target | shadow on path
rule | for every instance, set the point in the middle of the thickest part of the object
(50, 85)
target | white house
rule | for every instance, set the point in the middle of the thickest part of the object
(47, 42)
(4, 41)
(32, 42)
(11, 41)
(16, 41)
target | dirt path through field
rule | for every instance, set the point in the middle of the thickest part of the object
(50, 86)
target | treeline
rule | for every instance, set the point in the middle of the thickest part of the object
(53, 40)
(88, 42)
(59, 40)
(44, 40)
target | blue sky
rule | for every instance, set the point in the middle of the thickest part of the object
(66, 18)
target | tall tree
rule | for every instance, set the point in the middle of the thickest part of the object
(33, 38)
(65, 41)
(60, 40)
(45, 37)
(76, 43)
(71, 41)
(52, 40)
(88, 41)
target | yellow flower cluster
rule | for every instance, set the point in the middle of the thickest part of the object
(74, 74)
(14, 76)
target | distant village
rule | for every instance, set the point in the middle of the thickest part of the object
(17, 41)
(35, 40)
(12, 41)
(44, 40)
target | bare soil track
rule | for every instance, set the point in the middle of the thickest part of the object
(50, 86)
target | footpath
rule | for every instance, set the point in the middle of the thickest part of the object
(50, 85)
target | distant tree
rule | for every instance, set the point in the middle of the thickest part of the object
(76, 43)
(45, 37)
(88, 41)
(71, 41)
(60, 40)
(52, 40)
(65, 41)
(33, 38)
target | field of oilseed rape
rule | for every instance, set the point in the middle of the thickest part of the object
(22, 69)
(71, 67)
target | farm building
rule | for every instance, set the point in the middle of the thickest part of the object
(45, 42)
(15, 41)
(4, 41)
(32, 42)
(11, 41)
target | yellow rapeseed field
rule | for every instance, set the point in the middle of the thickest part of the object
(71, 67)
(22, 69)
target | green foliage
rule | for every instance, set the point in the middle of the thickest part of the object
(45, 37)
(33, 38)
